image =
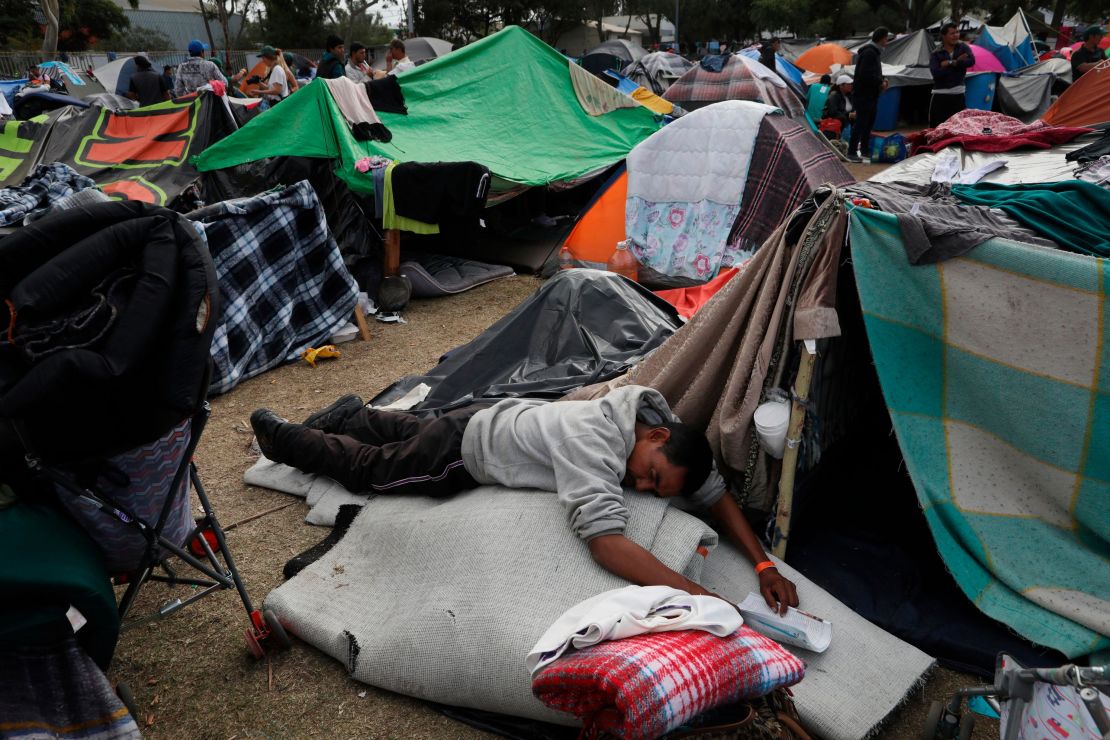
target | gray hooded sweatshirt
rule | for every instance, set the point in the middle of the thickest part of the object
(578, 449)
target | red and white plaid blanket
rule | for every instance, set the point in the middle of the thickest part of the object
(645, 686)
(982, 130)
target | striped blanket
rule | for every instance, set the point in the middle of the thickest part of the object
(995, 367)
(699, 87)
(645, 686)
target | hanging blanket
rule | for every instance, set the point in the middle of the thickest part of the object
(282, 278)
(984, 131)
(643, 687)
(41, 189)
(596, 96)
(994, 372)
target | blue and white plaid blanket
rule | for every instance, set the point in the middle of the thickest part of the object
(283, 284)
(41, 189)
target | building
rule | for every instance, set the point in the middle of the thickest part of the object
(179, 20)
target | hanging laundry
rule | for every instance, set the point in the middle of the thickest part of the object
(353, 102)
(435, 192)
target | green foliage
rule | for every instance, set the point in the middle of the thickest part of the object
(297, 24)
(17, 20)
(136, 38)
(84, 22)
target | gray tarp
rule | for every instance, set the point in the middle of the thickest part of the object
(658, 70)
(1027, 93)
(911, 50)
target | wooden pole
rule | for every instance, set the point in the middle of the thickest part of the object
(793, 442)
(392, 264)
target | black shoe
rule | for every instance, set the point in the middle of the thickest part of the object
(265, 424)
(332, 418)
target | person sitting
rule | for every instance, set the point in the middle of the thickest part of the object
(1087, 56)
(195, 72)
(276, 87)
(949, 65)
(358, 70)
(331, 65)
(839, 105)
(585, 452)
(396, 60)
(147, 86)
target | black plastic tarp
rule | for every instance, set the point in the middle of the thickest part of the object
(581, 327)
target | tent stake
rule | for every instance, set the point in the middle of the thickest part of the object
(793, 443)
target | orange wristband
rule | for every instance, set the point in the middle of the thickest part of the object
(760, 567)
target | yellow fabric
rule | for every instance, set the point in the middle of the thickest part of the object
(390, 218)
(652, 102)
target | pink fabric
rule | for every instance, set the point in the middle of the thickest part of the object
(985, 61)
(1006, 133)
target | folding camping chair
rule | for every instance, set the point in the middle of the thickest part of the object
(104, 372)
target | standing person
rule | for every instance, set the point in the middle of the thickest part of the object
(867, 86)
(1087, 56)
(949, 65)
(147, 86)
(276, 87)
(358, 70)
(396, 60)
(196, 71)
(331, 64)
(767, 52)
(167, 75)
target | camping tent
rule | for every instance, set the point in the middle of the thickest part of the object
(1086, 102)
(507, 102)
(1011, 43)
(741, 78)
(658, 70)
(819, 59)
(615, 54)
(1026, 93)
(787, 71)
(141, 154)
(910, 50)
(115, 76)
(787, 163)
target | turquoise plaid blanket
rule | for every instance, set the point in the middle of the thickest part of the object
(996, 370)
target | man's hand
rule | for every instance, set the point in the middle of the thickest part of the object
(777, 590)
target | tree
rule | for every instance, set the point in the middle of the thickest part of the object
(296, 23)
(223, 13)
(17, 20)
(137, 38)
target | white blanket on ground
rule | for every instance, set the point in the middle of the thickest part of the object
(442, 599)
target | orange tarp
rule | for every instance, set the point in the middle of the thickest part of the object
(595, 236)
(822, 57)
(687, 301)
(1085, 102)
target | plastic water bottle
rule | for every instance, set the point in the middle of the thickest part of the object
(623, 262)
(566, 262)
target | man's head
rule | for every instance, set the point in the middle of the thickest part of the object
(167, 70)
(668, 460)
(881, 36)
(844, 84)
(142, 63)
(775, 43)
(1092, 36)
(397, 49)
(950, 34)
(334, 44)
(358, 53)
(197, 48)
(268, 54)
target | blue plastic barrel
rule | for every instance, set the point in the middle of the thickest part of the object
(886, 116)
(979, 90)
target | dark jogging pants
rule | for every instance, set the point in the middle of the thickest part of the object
(385, 452)
(860, 141)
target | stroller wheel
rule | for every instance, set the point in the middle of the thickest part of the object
(967, 726)
(253, 645)
(932, 721)
(277, 631)
(123, 691)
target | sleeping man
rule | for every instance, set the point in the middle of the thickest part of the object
(584, 451)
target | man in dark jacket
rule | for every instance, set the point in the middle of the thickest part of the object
(949, 65)
(147, 86)
(1087, 57)
(867, 86)
(332, 66)
(767, 52)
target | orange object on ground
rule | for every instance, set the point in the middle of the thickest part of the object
(822, 57)
(687, 301)
(1085, 102)
(594, 238)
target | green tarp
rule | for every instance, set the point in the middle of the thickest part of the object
(995, 368)
(505, 101)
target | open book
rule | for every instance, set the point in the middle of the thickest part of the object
(793, 628)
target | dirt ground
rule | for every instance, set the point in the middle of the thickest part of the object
(192, 674)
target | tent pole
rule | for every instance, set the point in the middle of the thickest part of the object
(392, 263)
(793, 443)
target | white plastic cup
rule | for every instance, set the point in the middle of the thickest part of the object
(771, 421)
